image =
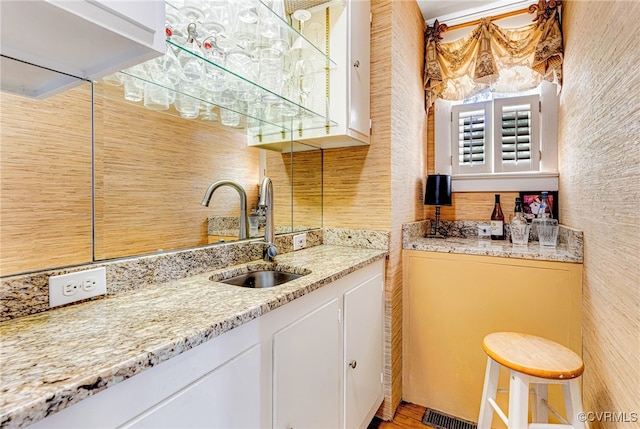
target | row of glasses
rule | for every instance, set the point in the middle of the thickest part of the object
(217, 51)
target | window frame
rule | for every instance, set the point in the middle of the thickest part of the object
(545, 178)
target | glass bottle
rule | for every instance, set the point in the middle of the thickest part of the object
(497, 220)
(544, 211)
(518, 227)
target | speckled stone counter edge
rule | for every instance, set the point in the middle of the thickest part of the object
(570, 242)
(26, 294)
(166, 333)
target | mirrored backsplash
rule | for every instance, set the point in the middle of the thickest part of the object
(89, 177)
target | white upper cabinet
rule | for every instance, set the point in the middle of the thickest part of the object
(83, 39)
(358, 64)
(340, 95)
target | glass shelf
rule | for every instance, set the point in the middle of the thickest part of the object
(277, 111)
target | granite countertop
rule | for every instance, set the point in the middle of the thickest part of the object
(461, 237)
(54, 359)
(503, 248)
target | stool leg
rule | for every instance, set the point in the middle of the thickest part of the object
(573, 403)
(489, 390)
(540, 413)
(518, 401)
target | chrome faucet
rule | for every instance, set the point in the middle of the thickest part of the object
(244, 220)
(266, 202)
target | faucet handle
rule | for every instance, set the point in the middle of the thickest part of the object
(271, 250)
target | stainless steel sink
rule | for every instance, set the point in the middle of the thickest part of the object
(260, 275)
(261, 279)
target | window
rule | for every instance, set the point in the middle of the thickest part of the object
(507, 144)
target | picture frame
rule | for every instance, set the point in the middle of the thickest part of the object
(529, 199)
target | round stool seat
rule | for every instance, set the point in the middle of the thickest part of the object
(533, 355)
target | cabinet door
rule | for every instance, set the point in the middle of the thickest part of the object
(452, 301)
(363, 351)
(227, 397)
(307, 369)
(359, 66)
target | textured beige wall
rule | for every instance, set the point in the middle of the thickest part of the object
(599, 193)
(379, 187)
(408, 157)
(152, 171)
(45, 174)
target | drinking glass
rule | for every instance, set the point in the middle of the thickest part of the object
(192, 67)
(519, 233)
(207, 113)
(156, 97)
(246, 23)
(114, 79)
(133, 90)
(215, 77)
(271, 77)
(187, 106)
(165, 68)
(547, 231)
(219, 13)
(228, 109)
(193, 10)
(289, 107)
(306, 74)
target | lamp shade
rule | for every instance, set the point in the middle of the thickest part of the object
(438, 190)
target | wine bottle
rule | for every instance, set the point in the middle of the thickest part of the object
(497, 221)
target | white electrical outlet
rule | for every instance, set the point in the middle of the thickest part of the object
(73, 287)
(299, 241)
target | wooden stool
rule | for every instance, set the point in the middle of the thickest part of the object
(530, 360)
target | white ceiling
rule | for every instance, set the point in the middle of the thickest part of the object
(448, 11)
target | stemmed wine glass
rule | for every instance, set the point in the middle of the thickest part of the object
(306, 80)
(299, 46)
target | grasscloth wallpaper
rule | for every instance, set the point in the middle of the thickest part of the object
(379, 187)
(599, 193)
(599, 164)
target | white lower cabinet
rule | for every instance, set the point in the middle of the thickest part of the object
(328, 360)
(363, 351)
(287, 369)
(306, 370)
(221, 399)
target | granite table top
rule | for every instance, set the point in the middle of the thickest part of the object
(54, 359)
(502, 248)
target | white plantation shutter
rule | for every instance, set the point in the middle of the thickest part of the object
(517, 125)
(471, 145)
(497, 142)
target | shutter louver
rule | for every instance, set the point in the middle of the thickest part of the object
(516, 134)
(471, 137)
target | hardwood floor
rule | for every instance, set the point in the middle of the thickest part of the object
(408, 416)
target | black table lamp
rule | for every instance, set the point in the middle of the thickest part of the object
(437, 193)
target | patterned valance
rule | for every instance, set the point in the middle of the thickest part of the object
(504, 60)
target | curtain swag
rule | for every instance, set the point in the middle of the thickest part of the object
(503, 60)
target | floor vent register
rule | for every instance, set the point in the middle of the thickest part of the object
(440, 420)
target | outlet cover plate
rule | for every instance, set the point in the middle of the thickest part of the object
(72, 287)
(299, 241)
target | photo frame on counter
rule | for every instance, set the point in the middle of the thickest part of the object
(530, 200)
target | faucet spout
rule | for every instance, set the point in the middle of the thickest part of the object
(244, 220)
(266, 202)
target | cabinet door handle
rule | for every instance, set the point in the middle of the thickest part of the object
(353, 364)
(356, 64)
